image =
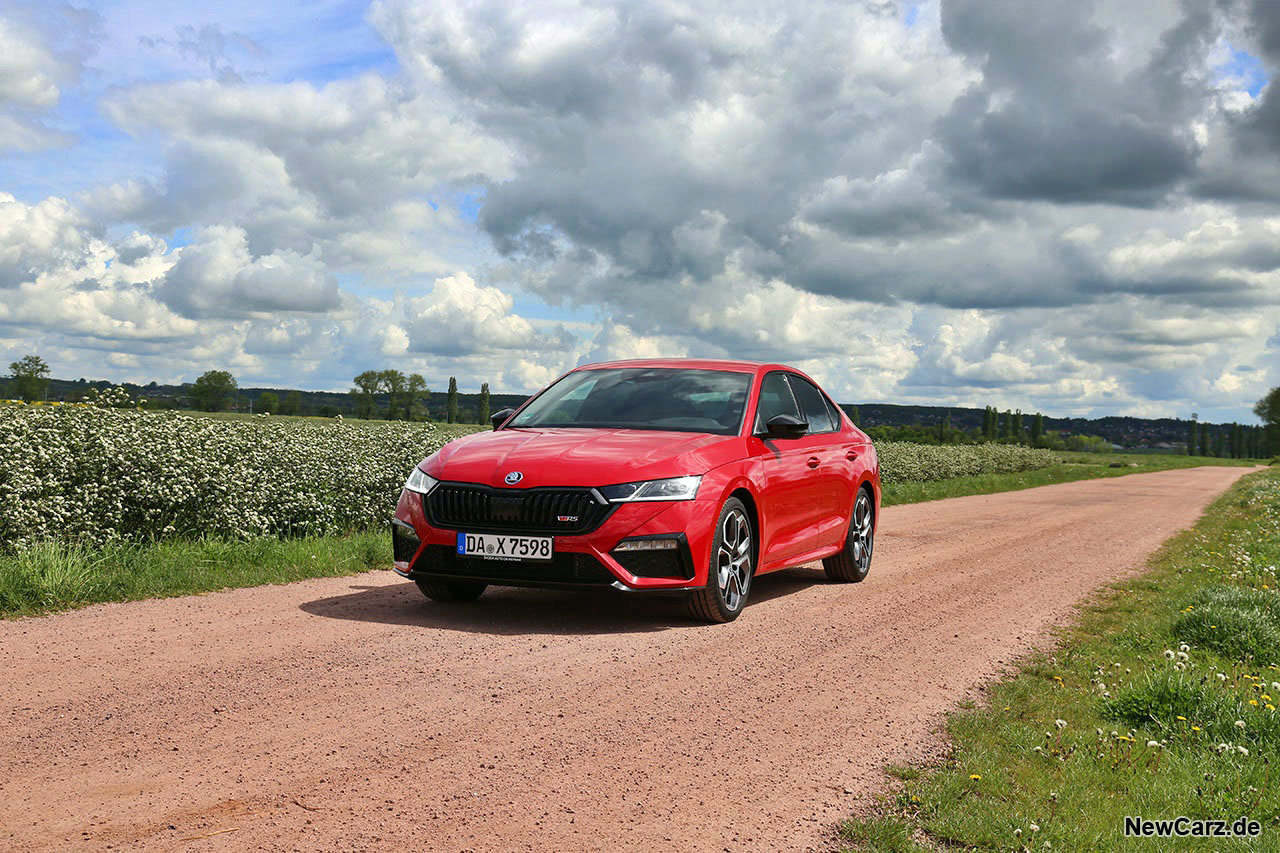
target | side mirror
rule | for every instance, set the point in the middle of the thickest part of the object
(498, 418)
(785, 426)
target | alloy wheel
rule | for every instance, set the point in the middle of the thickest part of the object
(733, 559)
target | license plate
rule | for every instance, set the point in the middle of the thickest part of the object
(500, 547)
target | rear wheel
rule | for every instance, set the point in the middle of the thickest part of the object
(731, 569)
(853, 561)
(451, 591)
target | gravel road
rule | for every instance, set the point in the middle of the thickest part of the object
(351, 714)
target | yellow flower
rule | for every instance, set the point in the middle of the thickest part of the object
(1180, 717)
(1270, 707)
(1253, 702)
(1195, 728)
(975, 777)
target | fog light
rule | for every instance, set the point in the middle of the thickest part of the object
(648, 545)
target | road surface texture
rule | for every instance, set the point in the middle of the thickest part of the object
(352, 714)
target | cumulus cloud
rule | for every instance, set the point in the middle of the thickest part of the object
(952, 201)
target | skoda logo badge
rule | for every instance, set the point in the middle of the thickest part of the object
(514, 477)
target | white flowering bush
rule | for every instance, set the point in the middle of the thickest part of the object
(83, 473)
(907, 462)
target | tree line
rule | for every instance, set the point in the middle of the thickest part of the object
(394, 395)
(407, 397)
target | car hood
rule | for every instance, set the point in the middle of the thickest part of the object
(578, 457)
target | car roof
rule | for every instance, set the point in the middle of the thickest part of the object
(690, 363)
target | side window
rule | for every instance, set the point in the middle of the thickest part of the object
(813, 404)
(775, 399)
(837, 422)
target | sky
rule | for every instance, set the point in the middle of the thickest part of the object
(1067, 207)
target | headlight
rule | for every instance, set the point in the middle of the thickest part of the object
(675, 489)
(420, 481)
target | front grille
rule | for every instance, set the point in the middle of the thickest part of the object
(561, 568)
(457, 506)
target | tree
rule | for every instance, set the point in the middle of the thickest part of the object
(268, 403)
(1192, 432)
(855, 416)
(212, 390)
(292, 404)
(1037, 428)
(1006, 424)
(416, 392)
(1204, 439)
(1268, 411)
(944, 427)
(484, 402)
(1017, 426)
(367, 386)
(30, 377)
(453, 400)
(393, 382)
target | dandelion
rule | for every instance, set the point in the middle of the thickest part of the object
(1168, 653)
(1183, 656)
(1033, 827)
(1180, 717)
(1153, 744)
(1061, 724)
(1195, 728)
(975, 777)
(1240, 724)
(1242, 750)
(1222, 676)
(1184, 648)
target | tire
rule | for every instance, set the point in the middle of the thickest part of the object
(451, 591)
(731, 568)
(853, 561)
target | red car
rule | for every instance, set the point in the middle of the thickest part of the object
(672, 475)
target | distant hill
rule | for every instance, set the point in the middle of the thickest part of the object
(327, 403)
(1117, 429)
(1121, 430)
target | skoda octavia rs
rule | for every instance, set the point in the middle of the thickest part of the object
(669, 475)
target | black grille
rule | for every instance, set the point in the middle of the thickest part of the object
(404, 543)
(562, 568)
(653, 564)
(454, 506)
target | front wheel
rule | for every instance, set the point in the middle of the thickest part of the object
(731, 569)
(451, 591)
(853, 561)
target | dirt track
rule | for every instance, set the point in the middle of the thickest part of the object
(351, 714)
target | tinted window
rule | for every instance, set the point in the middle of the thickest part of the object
(813, 404)
(775, 399)
(666, 398)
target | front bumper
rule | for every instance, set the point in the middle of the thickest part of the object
(581, 561)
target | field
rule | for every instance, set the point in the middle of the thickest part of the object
(100, 504)
(1161, 702)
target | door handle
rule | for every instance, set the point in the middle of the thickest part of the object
(813, 461)
(851, 455)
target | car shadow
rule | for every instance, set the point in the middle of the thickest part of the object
(513, 611)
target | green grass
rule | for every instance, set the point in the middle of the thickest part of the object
(1075, 466)
(55, 576)
(1117, 683)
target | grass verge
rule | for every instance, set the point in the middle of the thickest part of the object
(1075, 466)
(55, 576)
(1160, 702)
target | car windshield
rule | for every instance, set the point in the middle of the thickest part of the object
(665, 398)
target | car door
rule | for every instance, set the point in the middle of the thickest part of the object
(784, 476)
(829, 486)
